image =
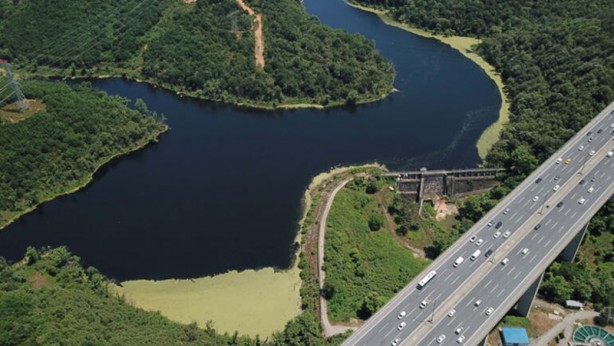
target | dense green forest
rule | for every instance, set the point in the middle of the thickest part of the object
(204, 49)
(59, 148)
(556, 59)
(48, 298)
(365, 265)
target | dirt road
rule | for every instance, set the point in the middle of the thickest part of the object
(258, 37)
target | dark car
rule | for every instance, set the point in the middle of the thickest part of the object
(538, 226)
(589, 133)
(498, 225)
(560, 204)
(488, 253)
(538, 180)
(599, 131)
(557, 177)
(582, 182)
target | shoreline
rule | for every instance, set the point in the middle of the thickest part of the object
(463, 45)
(87, 179)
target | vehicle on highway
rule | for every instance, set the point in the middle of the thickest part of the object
(497, 234)
(560, 204)
(582, 182)
(459, 330)
(458, 261)
(581, 200)
(478, 302)
(425, 280)
(567, 161)
(488, 253)
(538, 226)
(590, 139)
(402, 325)
(473, 238)
(535, 198)
(401, 314)
(591, 153)
(489, 311)
(507, 210)
(581, 148)
(490, 224)
(451, 313)
(538, 180)
(460, 339)
(424, 304)
(505, 260)
(599, 131)
(590, 189)
(498, 225)
(589, 133)
(396, 341)
(475, 255)
(556, 177)
(559, 160)
(612, 125)
(556, 187)
(593, 179)
(479, 242)
(506, 234)
(610, 153)
(441, 338)
(525, 251)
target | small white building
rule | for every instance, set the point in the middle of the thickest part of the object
(574, 304)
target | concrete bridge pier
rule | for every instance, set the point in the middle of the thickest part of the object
(571, 250)
(483, 343)
(526, 301)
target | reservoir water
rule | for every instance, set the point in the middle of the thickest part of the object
(222, 189)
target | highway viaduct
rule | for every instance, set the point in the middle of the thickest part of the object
(544, 217)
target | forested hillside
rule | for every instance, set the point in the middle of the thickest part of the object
(58, 149)
(204, 49)
(50, 299)
(557, 62)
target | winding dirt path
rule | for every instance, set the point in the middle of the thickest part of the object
(258, 37)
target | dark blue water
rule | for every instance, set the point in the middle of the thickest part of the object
(222, 189)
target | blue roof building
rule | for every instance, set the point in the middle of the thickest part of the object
(515, 337)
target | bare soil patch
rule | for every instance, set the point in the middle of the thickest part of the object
(39, 280)
(11, 114)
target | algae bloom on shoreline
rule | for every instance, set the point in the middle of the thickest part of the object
(251, 302)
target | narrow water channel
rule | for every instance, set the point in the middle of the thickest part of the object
(222, 189)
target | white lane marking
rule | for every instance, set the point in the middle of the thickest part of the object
(525, 203)
(488, 283)
(390, 332)
(517, 275)
(540, 190)
(568, 211)
(511, 270)
(500, 293)
(548, 222)
(548, 243)
(494, 288)
(454, 281)
(513, 215)
(534, 235)
(518, 218)
(532, 258)
(574, 215)
(541, 239)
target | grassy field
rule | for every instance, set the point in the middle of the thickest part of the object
(465, 46)
(364, 268)
(250, 302)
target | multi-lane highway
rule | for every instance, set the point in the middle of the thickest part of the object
(526, 231)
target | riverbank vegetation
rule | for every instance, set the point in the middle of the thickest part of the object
(58, 149)
(365, 265)
(204, 49)
(557, 63)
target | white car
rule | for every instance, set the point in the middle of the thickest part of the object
(489, 311)
(490, 224)
(459, 330)
(473, 238)
(505, 260)
(460, 339)
(479, 242)
(525, 251)
(612, 125)
(581, 148)
(559, 160)
(402, 325)
(535, 198)
(402, 314)
(478, 302)
(610, 153)
(507, 210)
(591, 153)
(441, 338)
(506, 234)
(556, 187)
(497, 234)
(423, 304)
(581, 200)
(396, 341)
(451, 313)
(591, 189)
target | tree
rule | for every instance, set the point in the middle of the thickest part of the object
(376, 221)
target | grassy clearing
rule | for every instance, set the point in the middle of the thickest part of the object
(250, 302)
(465, 46)
(10, 114)
(364, 268)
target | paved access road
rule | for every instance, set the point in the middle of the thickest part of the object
(534, 202)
